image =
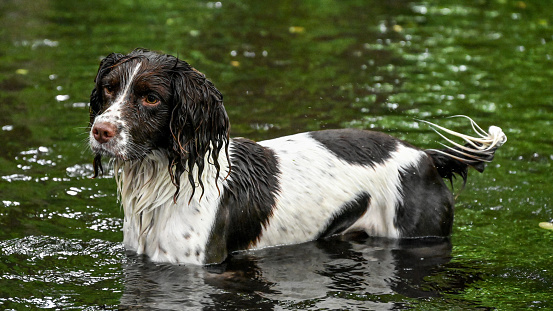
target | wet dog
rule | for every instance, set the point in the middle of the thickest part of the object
(191, 194)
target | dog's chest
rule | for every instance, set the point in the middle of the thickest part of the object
(156, 225)
(170, 233)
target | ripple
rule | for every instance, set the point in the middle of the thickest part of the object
(10, 203)
(37, 43)
(107, 224)
(86, 171)
(37, 248)
(16, 177)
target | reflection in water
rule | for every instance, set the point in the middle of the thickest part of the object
(367, 274)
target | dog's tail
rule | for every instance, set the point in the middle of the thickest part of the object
(476, 152)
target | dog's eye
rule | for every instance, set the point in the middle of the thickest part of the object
(151, 100)
(109, 89)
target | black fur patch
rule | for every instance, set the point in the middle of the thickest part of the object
(357, 146)
(349, 213)
(427, 207)
(247, 201)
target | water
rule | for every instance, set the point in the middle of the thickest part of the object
(284, 67)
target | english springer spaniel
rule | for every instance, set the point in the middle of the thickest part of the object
(193, 195)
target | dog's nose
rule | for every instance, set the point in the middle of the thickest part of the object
(104, 131)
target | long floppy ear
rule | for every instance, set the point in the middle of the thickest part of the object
(96, 100)
(199, 125)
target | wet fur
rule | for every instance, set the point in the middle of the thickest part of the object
(198, 125)
(169, 135)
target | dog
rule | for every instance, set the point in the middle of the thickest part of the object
(192, 195)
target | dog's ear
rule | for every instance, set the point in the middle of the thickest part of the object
(96, 99)
(199, 125)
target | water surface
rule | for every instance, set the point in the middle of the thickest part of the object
(284, 67)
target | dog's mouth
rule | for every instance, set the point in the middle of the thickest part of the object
(105, 150)
(114, 148)
(116, 141)
(109, 152)
(119, 149)
(109, 139)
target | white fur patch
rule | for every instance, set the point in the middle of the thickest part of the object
(314, 184)
(156, 226)
(112, 115)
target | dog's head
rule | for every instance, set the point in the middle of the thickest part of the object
(146, 101)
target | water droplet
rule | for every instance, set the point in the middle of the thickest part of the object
(61, 98)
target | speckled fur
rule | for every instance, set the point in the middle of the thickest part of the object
(155, 224)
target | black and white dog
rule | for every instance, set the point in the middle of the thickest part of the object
(191, 194)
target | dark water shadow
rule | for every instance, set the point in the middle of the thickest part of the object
(332, 274)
